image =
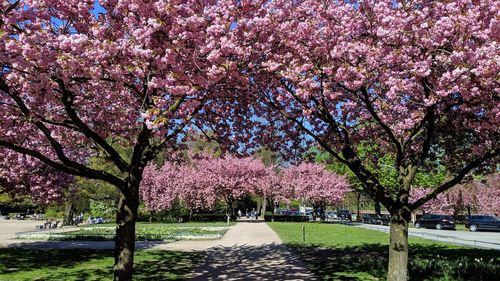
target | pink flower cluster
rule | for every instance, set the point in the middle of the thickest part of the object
(477, 197)
(362, 65)
(204, 180)
(31, 177)
(312, 183)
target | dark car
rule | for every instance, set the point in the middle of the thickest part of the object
(482, 222)
(344, 215)
(436, 221)
(386, 219)
(371, 219)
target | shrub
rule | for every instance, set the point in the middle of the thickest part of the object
(103, 209)
(207, 217)
(55, 211)
(286, 218)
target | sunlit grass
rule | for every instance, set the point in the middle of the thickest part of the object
(340, 252)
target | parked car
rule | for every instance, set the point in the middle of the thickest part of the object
(436, 221)
(386, 219)
(482, 222)
(344, 215)
(97, 220)
(331, 215)
(371, 219)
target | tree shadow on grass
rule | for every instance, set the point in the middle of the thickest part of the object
(427, 262)
(264, 262)
(81, 264)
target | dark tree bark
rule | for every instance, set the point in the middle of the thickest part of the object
(315, 211)
(358, 203)
(264, 206)
(322, 215)
(125, 233)
(398, 246)
(68, 212)
(378, 209)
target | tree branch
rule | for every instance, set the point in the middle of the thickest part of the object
(457, 179)
(430, 122)
(58, 148)
(81, 171)
(387, 129)
(372, 185)
(67, 100)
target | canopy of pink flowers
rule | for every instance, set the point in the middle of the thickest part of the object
(477, 197)
(204, 180)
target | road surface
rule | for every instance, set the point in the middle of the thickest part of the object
(481, 239)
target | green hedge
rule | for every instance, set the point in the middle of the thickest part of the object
(285, 218)
(206, 217)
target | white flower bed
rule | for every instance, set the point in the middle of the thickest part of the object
(46, 235)
(198, 237)
(38, 236)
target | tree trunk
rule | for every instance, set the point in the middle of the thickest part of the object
(315, 211)
(378, 210)
(68, 213)
(125, 234)
(323, 213)
(264, 206)
(259, 205)
(229, 207)
(398, 247)
(358, 203)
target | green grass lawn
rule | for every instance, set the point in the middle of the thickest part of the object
(340, 252)
(23, 264)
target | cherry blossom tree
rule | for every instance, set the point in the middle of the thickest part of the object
(230, 177)
(417, 78)
(443, 203)
(475, 196)
(77, 76)
(42, 182)
(468, 196)
(488, 195)
(160, 187)
(204, 180)
(272, 188)
(312, 183)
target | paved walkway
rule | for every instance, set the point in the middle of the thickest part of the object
(249, 250)
(8, 228)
